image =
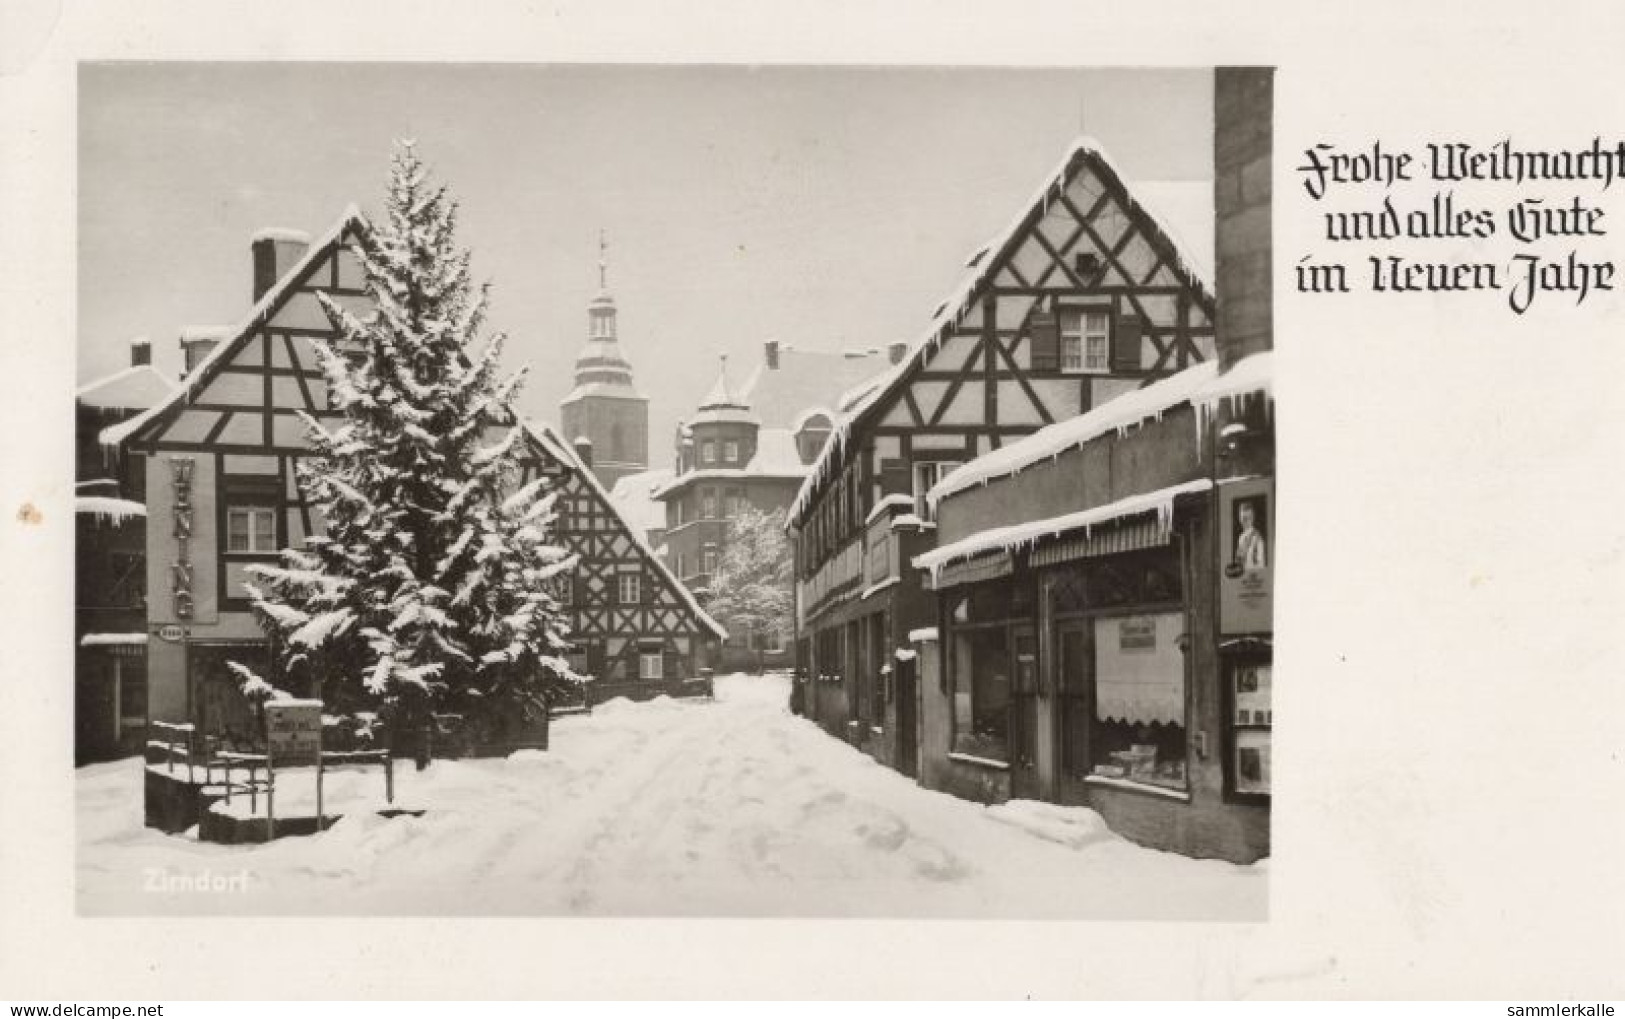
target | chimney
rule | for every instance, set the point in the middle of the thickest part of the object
(140, 351)
(897, 351)
(583, 446)
(196, 344)
(770, 350)
(276, 251)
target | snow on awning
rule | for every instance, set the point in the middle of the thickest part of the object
(974, 571)
(1250, 378)
(1130, 410)
(1018, 536)
(113, 640)
(108, 509)
(1130, 536)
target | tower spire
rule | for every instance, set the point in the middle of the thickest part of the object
(603, 260)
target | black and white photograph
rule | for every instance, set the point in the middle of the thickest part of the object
(741, 500)
(654, 491)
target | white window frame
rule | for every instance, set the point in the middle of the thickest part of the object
(730, 452)
(1076, 334)
(708, 452)
(265, 514)
(628, 582)
(926, 474)
(708, 505)
(651, 664)
(708, 558)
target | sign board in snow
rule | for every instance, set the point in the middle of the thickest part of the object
(293, 731)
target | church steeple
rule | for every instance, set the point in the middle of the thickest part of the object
(605, 407)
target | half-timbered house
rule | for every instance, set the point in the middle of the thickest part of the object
(222, 495)
(1085, 296)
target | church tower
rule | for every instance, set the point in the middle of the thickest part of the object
(605, 409)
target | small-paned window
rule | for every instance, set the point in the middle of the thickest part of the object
(250, 529)
(1085, 340)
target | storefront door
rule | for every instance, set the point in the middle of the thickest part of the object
(1024, 784)
(907, 695)
(1073, 681)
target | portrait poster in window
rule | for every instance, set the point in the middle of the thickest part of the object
(1247, 556)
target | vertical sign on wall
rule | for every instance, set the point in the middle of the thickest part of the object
(180, 570)
(1246, 557)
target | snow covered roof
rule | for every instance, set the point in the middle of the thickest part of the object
(1252, 374)
(559, 449)
(107, 508)
(262, 310)
(112, 639)
(135, 388)
(194, 333)
(614, 390)
(1017, 536)
(633, 496)
(950, 312)
(1125, 412)
(777, 456)
(282, 233)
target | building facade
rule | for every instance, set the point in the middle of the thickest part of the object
(751, 445)
(1085, 297)
(219, 457)
(110, 578)
(1105, 586)
(605, 410)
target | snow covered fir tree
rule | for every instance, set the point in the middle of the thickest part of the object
(750, 591)
(432, 590)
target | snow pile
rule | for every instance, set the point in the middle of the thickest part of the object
(732, 807)
(1074, 827)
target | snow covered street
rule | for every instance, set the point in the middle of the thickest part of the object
(732, 807)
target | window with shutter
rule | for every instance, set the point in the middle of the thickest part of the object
(1044, 331)
(1126, 344)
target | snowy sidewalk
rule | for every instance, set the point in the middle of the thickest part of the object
(726, 808)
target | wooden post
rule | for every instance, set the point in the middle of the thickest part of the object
(319, 819)
(270, 793)
(389, 777)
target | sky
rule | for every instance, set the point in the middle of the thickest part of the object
(828, 207)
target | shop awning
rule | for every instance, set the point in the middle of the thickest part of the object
(1129, 536)
(974, 571)
(1037, 533)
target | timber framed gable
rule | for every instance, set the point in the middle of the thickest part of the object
(1086, 295)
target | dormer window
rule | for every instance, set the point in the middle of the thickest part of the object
(730, 452)
(708, 453)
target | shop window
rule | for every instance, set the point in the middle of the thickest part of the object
(1085, 339)
(1138, 730)
(250, 529)
(1252, 719)
(926, 475)
(981, 692)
